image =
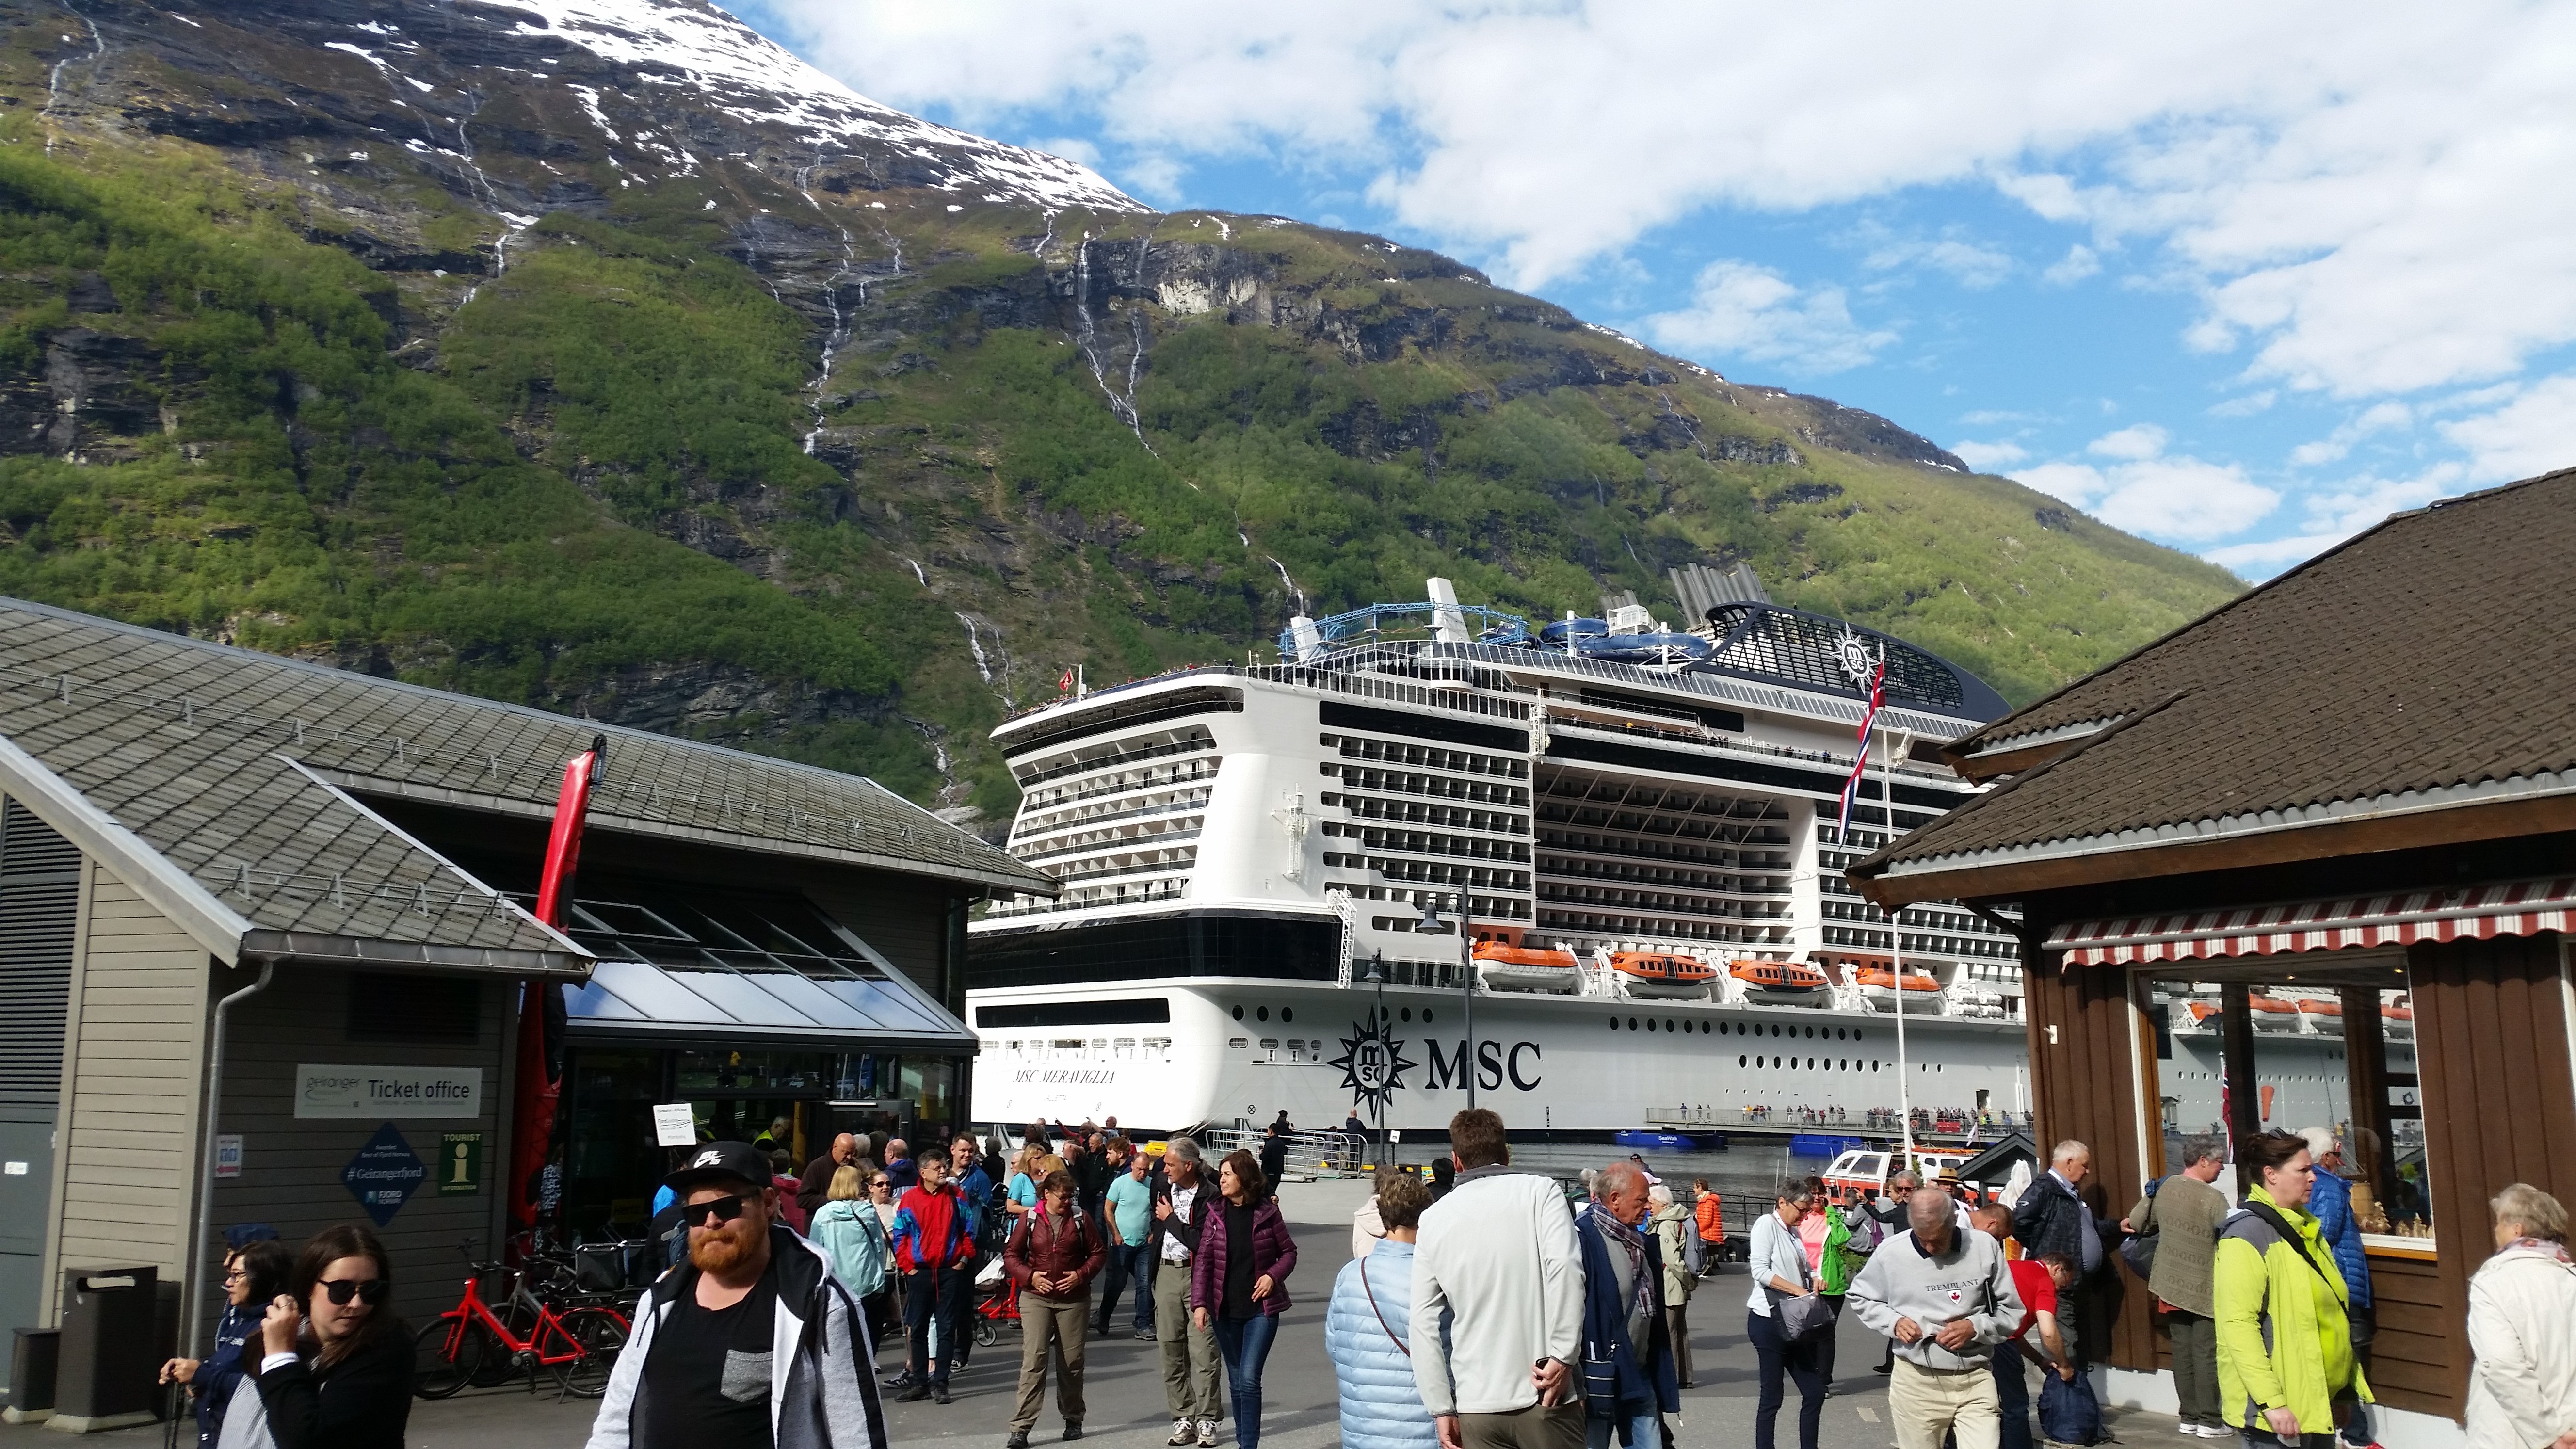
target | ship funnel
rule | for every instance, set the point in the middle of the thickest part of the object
(1309, 639)
(1448, 621)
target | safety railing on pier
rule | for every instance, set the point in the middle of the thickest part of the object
(1310, 1154)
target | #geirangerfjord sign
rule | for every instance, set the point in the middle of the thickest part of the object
(381, 1092)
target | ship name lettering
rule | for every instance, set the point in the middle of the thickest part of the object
(1068, 1076)
(1494, 1065)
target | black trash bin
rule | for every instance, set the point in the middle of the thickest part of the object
(105, 1377)
(31, 1375)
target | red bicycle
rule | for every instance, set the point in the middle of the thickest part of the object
(471, 1344)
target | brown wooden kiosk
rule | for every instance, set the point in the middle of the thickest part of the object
(2317, 849)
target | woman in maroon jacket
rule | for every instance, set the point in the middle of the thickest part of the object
(1237, 1283)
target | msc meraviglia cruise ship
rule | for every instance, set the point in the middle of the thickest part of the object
(1638, 823)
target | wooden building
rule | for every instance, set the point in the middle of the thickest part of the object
(345, 860)
(2320, 844)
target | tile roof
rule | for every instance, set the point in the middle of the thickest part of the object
(2428, 662)
(242, 770)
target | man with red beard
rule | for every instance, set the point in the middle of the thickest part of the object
(934, 1249)
(752, 1343)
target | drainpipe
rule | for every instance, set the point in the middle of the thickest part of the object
(206, 1182)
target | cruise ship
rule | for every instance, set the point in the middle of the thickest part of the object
(1265, 869)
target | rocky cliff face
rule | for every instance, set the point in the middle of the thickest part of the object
(602, 354)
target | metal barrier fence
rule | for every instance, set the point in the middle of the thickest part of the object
(1310, 1154)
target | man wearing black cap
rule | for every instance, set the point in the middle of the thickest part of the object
(750, 1344)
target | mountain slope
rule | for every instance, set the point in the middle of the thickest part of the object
(599, 354)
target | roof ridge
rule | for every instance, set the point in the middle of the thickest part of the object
(1961, 746)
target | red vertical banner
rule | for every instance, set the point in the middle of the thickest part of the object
(541, 1008)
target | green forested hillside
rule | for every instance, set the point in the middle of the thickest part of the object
(597, 463)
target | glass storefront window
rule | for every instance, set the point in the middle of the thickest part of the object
(705, 1073)
(2332, 1044)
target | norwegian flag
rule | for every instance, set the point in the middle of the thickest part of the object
(1868, 720)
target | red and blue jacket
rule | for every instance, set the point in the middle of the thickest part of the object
(932, 1230)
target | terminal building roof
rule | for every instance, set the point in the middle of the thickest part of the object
(229, 787)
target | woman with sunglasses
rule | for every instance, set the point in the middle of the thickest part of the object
(253, 1274)
(335, 1370)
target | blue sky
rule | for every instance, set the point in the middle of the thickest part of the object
(2240, 279)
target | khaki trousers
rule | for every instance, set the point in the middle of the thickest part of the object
(1191, 1365)
(1058, 1325)
(1677, 1323)
(1557, 1427)
(1929, 1403)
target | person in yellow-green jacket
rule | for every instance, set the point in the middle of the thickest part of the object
(2285, 1361)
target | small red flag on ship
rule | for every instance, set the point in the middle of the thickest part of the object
(1868, 719)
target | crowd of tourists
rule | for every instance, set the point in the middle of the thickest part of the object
(1480, 1309)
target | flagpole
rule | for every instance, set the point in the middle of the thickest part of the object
(1896, 952)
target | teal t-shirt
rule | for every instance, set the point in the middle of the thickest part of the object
(1132, 1200)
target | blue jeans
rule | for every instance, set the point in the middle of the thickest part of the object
(1128, 1264)
(1643, 1426)
(2012, 1395)
(1244, 1344)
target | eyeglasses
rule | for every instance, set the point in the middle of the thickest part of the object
(719, 1209)
(234, 1275)
(370, 1292)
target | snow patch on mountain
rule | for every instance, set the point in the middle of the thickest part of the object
(755, 80)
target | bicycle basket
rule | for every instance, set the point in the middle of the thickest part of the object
(601, 1267)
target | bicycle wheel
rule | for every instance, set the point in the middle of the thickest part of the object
(435, 1373)
(986, 1335)
(601, 1336)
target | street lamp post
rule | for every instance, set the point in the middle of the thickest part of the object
(1466, 978)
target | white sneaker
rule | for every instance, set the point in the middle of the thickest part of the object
(1183, 1432)
(1207, 1434)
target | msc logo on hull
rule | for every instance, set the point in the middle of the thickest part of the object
(1373, 1064)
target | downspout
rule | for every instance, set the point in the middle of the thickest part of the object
(206, 1160)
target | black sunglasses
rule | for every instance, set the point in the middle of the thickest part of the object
(721, 1209)
(341, 1290)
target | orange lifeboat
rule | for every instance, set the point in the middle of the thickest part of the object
(1507, 965)
(2272, 1013)
(1663, 975)
(1781, 983)
(1878, 985)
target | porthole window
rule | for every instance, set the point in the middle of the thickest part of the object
(1614, 1023)
(1408, 1013)
(1426, 1016)
(1739, 1060)
(1632, 1023)
(1287, 1013)
(1263, 1013)
(1238, 1013)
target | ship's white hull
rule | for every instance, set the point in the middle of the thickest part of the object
(1547, 1063)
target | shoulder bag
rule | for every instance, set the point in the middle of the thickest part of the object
(1801, 1317)
(1371, 1294)
(2139, 1249)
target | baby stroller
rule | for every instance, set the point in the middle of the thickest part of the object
(997, 1301)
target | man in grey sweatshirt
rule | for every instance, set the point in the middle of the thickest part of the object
(1946, 1298)
(1498, 1302)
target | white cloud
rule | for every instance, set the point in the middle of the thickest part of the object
(2246, 406)
(1739, 310)
(2138, 440)
(2079, 262)
(1970, 265)
(2534, 433)
(1986, 457)
(2256, 560)
(2378, 418)
(2337, 513)
(2371, 204)
(2146, 492)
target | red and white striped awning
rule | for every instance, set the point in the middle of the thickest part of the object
(2474, 913)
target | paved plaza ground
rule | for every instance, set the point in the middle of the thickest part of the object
(1124, 1380)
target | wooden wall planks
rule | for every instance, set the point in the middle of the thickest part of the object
(2499, 1095)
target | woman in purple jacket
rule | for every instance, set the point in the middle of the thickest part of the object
(1237, 1283)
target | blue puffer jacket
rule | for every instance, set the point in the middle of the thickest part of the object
(1381, 1409)
(2330, 1202)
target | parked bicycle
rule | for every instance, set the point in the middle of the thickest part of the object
(548, 1323)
